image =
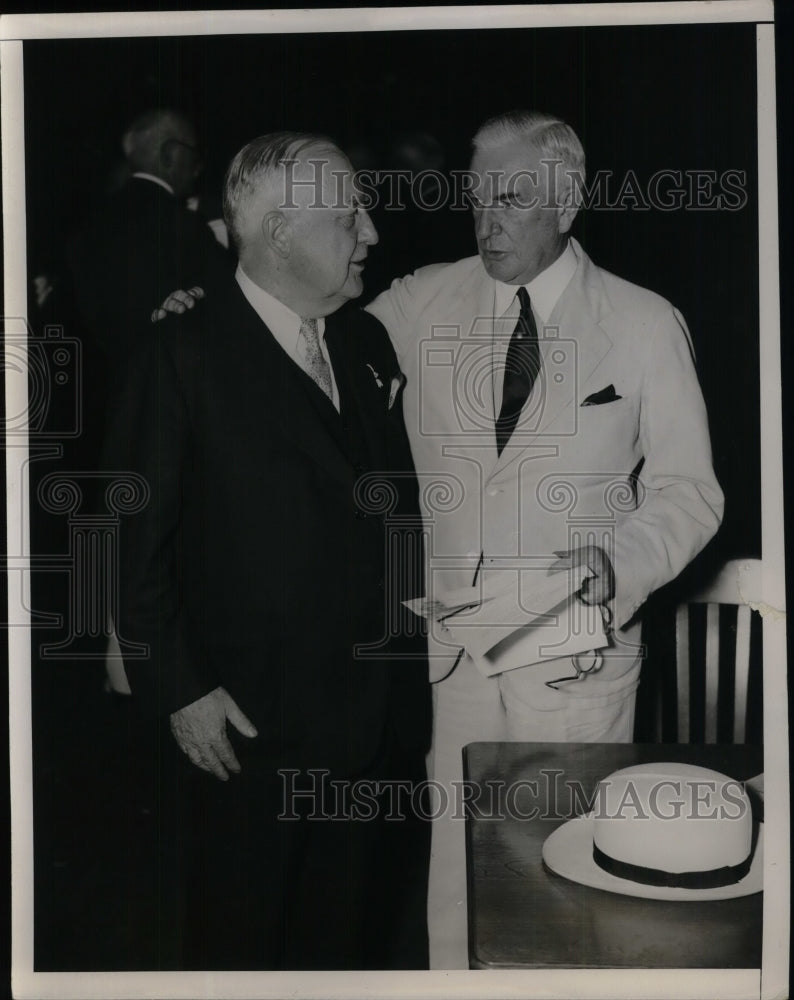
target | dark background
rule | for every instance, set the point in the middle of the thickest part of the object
(640, 99)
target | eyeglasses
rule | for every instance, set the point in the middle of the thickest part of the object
(589, 662)
(181, 142)
(170, 143)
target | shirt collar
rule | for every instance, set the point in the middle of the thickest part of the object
(157, 180)
(544, 290)
(282, 322)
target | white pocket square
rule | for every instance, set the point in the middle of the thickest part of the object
(396, 384)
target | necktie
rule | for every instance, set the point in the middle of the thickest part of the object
(522, 366)
(316, 365)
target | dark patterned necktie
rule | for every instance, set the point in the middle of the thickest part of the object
(522, 366)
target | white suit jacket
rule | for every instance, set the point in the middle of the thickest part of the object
(633, 474)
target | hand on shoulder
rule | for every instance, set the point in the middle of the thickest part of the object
(178, 301)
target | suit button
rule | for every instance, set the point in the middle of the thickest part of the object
(359, 515)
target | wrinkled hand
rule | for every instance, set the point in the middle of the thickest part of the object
(200, 731)
(597, 589)
(178, 302)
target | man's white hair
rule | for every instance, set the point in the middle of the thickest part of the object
(259, 163)
(555, 139)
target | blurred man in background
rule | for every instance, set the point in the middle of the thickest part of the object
(143, 239)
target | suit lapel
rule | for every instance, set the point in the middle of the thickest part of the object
(472, 380)
(322, 406)
(361, 399)
(305, 415)
(310, 419)
(487, 332)
(583, 313)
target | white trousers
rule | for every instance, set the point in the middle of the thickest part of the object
(516, 705)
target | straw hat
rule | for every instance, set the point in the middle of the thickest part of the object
(663, 831)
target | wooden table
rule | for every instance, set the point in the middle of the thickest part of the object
(521, 915)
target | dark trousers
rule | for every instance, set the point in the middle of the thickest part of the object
(333, 877)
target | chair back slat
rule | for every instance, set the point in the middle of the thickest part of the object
(682, 670)
(712, 670)
(742, 673)
(658, 713)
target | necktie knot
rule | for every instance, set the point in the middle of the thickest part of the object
(526, 321)
(310, 328)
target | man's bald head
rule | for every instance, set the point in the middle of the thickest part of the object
(163, 142)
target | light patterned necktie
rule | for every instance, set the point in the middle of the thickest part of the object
(316, 365)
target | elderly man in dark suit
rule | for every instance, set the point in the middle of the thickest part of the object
(262, 576)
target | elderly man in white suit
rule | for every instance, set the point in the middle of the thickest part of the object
(557, 411)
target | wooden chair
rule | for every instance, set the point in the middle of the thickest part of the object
(739, 584)
(704, 662)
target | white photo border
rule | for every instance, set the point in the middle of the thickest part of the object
(768, 982)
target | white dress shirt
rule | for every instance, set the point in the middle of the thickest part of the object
(544, 292)
(157, 180)
(284, 324)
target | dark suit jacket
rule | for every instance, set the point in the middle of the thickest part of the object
(263, 556)
(139, 246)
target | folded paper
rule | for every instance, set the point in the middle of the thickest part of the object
(516, 617)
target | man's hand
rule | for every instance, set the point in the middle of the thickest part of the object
(597, 589)
(200, 731)
(178, 302)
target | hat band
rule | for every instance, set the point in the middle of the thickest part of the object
(712, 879)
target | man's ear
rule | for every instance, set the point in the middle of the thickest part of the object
(276, 233)
(568, 207)
(166, 156)
(127, 144)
